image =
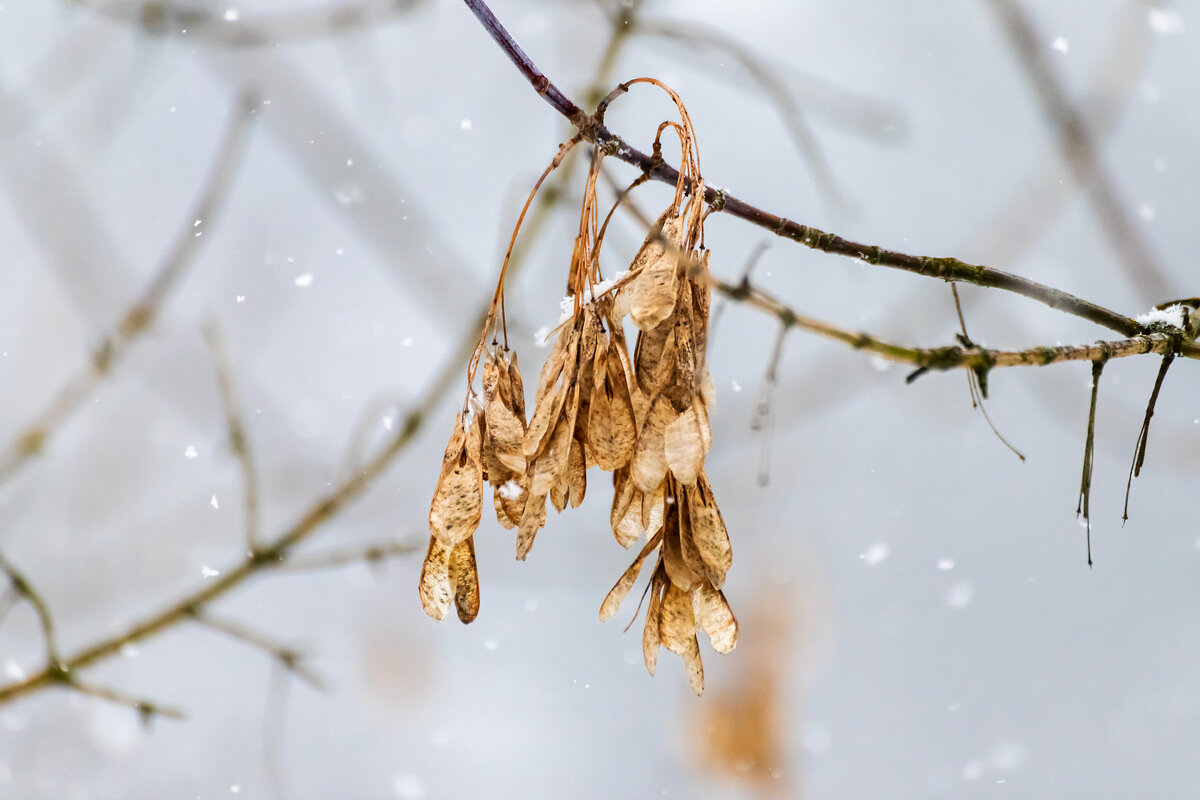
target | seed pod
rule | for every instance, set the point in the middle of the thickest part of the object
(683, 446)
(649, 464)
(457, 503)
(708, 531)
(533, 519)
(651, 638)
(576, 475)
(701, 308)
(464, 577)
(518, 389)
(653, 291)
(677, 569)
(626, 514)
(714, 617)
(434, 586)
(616, 595)
(677, 631)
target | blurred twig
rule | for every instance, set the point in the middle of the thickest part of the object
(239, 442)
(137, 317)
(772, 86)
(1081, 153)
(226, 26)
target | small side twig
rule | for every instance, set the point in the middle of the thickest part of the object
(1139, 451)
(287, 657)
(147, 710)
(977, 378)
(22, 589)
(239, 442)
(1083, 508)
(366, 554)
(764, 411)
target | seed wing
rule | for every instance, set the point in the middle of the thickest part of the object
(715, 617)
(464, 576)
(434, 587)
(616, 595)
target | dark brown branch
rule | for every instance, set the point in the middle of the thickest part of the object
(945, 268)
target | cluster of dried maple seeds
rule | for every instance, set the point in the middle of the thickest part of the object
(643, 418)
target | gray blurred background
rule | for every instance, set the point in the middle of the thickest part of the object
(917, 616)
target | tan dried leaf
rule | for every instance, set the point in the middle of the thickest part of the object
(508, 510)
(683, 385)
(654, 508)
(464, 577)
(678, 621)
(701, 307)
(553, 365)
(702, 420)
(507, 435)
(558, 496)
(677, 630)
(550, 465)
(683, 445)
(715, 617)
(545, 416)
(533, 519)
(654, 359)
(491, 378)
(616, 596)
(653, 291)
(678, 571)
(517, 388)
(687, 546)
(708, 529)
(434, 587)
(576, 475)
(694, 665)
(454, 447)
(457, 504)
(651, 639)
(649, 464)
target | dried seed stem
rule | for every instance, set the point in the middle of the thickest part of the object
(1139, 452)
(1089, 457)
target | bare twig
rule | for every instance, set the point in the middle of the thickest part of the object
(945, 268)
(239, 442)
(770, 85)
(365, 554)
(764, 411)
(943, 358)
(22, 589)
(287, 657)
(145, 709)
(217, 25)
(968, 355)
(1139, 450)
(977, 378)
(1089, 457)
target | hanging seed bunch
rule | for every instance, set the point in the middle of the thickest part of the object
(642, 417)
